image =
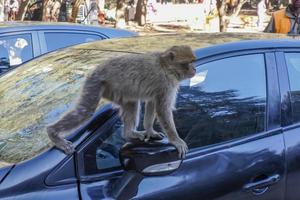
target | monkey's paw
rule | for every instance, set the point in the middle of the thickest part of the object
(138, 135)
(153, 135)
(181, 147)
(65, 146)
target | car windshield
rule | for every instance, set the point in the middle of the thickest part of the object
(35, 95)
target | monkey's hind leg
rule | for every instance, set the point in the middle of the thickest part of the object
(149, 121)
(67, 122)
(60, 142)
(89, 98)
(130, 118)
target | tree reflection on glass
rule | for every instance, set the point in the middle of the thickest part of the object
(204, 118)
(224, 101)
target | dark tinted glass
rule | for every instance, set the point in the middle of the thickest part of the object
(15, 50)
(59, 40)
(224, 101)
(103, 154)
(293, 65)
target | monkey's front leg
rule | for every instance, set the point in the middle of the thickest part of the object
(149, 121)
(130, 118)
(165, 117)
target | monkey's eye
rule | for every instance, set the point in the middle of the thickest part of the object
(185, 65)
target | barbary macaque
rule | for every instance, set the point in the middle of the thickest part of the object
(149, 77)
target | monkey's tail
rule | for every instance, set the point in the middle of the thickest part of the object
(87, 103)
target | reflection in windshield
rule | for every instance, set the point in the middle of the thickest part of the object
(206, 118)
(36, 94)
(226, 101)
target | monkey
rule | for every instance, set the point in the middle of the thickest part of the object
(127, 80)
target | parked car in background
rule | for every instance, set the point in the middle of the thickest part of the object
(239, 116)
(20, 42)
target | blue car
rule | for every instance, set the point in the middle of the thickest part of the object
(20, 42)
(239, 115)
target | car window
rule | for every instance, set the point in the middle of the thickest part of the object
(293, 65)
(224, 101)
(15, 50)
(58, 40)
(103, 154)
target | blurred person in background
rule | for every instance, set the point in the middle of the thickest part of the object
(261, 13)
(286, 20)
(13, 10)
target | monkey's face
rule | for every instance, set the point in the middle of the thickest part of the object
(183, 69)
(180, 59)
(186, 70)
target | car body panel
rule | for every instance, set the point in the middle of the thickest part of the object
(221, 174)
(209, 174)
(292, 143)
(31, 184)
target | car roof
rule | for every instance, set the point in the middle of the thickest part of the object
(6, 27)
(206, 44)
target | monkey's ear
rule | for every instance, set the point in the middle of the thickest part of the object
(168, 55)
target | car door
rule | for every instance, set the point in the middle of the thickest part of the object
(52, 40)
(229, 116)
(289, 69)
(16, 48)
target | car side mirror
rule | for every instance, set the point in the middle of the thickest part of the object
(150, 158)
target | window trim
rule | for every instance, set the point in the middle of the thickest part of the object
(200, 151)
(273, 120)
(42, 36)
(232, 54)
(34, 41)
(272, 126)
(286, 99)
(79, 157)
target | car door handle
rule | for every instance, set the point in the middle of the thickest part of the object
(261, 186)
